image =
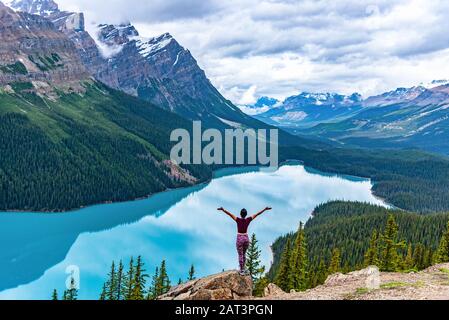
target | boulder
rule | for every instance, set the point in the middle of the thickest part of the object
(272, 290)
(224, 286)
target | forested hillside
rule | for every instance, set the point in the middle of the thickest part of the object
(341, 234)
(81, 149)
(408, 179)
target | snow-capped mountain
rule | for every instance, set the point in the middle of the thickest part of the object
(399, 95)
(157, 69)
(33, 48)
(160, 70)
(308, 109)
(38, 7)
(414, 117)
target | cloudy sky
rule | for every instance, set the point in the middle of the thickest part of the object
(251, 48)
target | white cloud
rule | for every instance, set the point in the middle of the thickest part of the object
(282, 47)
(249, 96)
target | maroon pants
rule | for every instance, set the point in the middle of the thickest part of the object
(242, 247)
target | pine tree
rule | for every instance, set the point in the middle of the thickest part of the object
(390, 245)
(54, 296)
(179, 281)
(103, 293)
(164, 281)
(260, 286)
(111, 284)
(139, 280)
(442, 254)
(428, 254)
(128, 284)
(253, 263)
(119, 282)
(298, 262)
(335, 264)
(372, 255)
(409, 264)
(418, 256)
(191, 273)
(282, 276)
(153, 289)
(322, 272)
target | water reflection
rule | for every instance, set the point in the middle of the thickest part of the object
(181, 226)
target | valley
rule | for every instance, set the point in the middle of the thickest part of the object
(86, 173)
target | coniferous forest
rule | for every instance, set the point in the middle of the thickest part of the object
(106, 146)
(103, 146)
(345, 236)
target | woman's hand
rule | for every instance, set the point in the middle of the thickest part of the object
(220, 209)
(268, 208)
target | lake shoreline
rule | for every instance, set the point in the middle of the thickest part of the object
(284, 163)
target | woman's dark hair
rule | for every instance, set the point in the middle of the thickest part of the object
(243, 213)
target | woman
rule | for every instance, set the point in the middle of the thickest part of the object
(242, 236)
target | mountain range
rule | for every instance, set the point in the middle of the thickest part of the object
(415, 117)
(73, 132)
(87, 118)
(68, 140)
(307, 109)
(158, 70)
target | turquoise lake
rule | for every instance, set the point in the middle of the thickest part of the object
(181, 226)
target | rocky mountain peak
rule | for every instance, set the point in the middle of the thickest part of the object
(35, 52)
(39, 7)
(148, 47)
(325, 99)
(111, 34)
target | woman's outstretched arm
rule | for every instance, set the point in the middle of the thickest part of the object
(261, 212)
(228, 213)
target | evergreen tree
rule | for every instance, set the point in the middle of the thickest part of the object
(120, 282)
(282, 276)
(322, 272)
(111, 284)
(103, 293)
(428, 255)
(153, 290)
(409, 262)
(260, 286)
(139, 280)
(253, 263)
(191, 273)
(164, 280)
(179, 281)
(54, 296)
(335, 264)
(298, 262)
(390, 245)
(372, 255)
(442, 254)
(418, 257)
(128, 284)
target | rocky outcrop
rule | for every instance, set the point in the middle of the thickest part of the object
(224, 286)
(161, 71)
(39, 7)
(370, 284)
(34, 50)
(273, 290)
(366, 284)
